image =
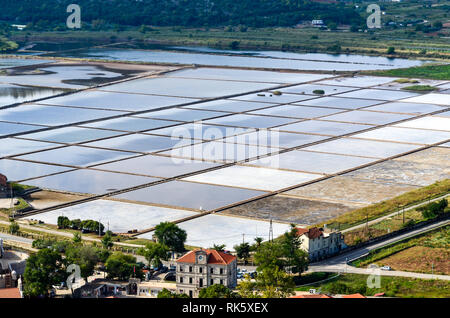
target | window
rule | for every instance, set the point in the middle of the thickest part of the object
(190, 280)
(221, 282)
(190, 269)
(200, 270)
(181, 268)
(200, 283)
(221, 271)
(212, 282)
(181, 279)
(212, 270)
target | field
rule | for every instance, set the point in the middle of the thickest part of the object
(438, 72)
(389, 206)
(428, 253)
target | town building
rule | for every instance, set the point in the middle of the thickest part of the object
(3, 186)
(202, 268)
(319, 244)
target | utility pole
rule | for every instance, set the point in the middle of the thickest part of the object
(243, 238)
(403, 214)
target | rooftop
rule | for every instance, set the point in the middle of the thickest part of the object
(214, 257)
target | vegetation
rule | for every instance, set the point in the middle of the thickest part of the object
(377, 210)
(217, 291)
(154, 253)
(425, 253)
(114, 14)
(403, 219)
(122, 266)
(14, 227)
(86, 225)
(165, 293)
(437, 72)
(170, 235)
(243, 251)
(391, 286)
(420, 88)
(44, 269)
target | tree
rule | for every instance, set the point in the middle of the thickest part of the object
(44, 269)
(77, 238)
(390, 50)
(171, 235)
(84, 256)
(216, 291)
(165, 293)
(275, 283)
(219, 248)
(269, 255)
(258, 241)
(296, 258)
(14, 227)
(122, 266)
(154, 253)
(107, 241)
(243, 251)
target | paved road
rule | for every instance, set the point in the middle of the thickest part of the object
(19, 239)
(339, 263)
(65, 234)
(394, 214)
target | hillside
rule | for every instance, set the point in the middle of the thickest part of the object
(194, 13)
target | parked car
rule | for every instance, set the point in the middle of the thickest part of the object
(164, 269)
(239, 275)
(386, 268)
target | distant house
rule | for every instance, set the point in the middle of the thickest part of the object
(3, 186)
(202, 268)
(317, 23)
(320, 245)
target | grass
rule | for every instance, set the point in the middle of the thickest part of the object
(377, 210)
(420, 88)
(437, 72)
(22, 205)
(385, 226)
(416, 254)
(391, 286)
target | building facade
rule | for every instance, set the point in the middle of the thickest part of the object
(320, 245)
(3, 186)
(202, 268)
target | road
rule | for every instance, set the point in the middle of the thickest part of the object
(413, 207)
(64, 234)
(340, 263)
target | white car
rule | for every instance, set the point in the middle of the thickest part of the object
(386, 268)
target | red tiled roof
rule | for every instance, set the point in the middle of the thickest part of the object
(310, 233)
(3, 180)
(10, 293)
(353, 296)
(214, 257)
(311, 296)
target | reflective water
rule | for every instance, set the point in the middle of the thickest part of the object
(277, 60)
(13, 94)
(190, 195)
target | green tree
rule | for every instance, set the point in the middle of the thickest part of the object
(243, 251)
(107, 240)
(154, 253)
(390, 50)
(77, 238)
(122, 266)
(274, 283)
(296, 259)
(44, 269)
(84, 256)
(165, 293)
(14, 228)
(269, 255)
(171, 235)
(220, 247)
(216, 291)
